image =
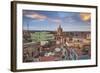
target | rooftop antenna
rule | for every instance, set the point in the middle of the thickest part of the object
(27, 27)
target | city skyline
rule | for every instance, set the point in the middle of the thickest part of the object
(50, 20)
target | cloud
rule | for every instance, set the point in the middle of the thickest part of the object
(85, 16)
(55, 20)
(69, 19)
(36, 16)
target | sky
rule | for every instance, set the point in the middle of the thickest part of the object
(50, 20)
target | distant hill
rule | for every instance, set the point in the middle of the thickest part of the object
(51, 31)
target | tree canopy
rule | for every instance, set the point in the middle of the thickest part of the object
(41, 36)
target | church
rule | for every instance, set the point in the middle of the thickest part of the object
(60, 36)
